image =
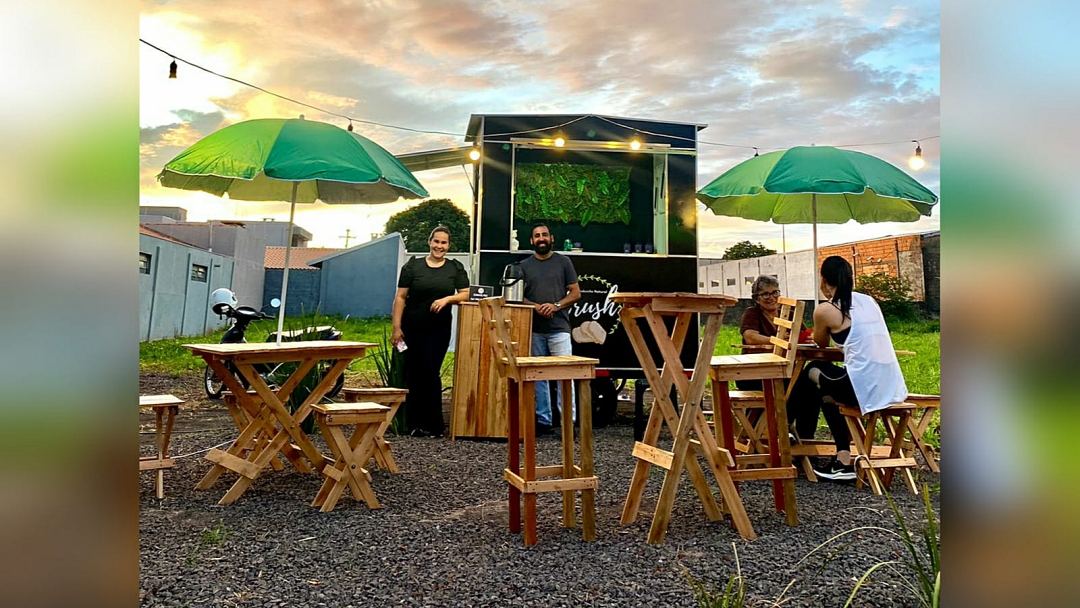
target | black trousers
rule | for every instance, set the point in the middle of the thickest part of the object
(427, 346)
(835, 384)
(805, 406)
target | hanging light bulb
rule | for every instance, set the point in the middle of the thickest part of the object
(916, 162)
(755, 152)
(559, 142)
(350, 126)
(474, 154)
(635, 144)
(172, 69)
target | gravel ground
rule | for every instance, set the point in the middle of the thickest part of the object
(441, 538)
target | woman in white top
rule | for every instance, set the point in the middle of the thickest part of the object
(871, 378)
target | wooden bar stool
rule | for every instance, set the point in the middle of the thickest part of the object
(349, 454)
(522, 373)
(896, 421)
(165, 409)
(390, 397)
(771, 368)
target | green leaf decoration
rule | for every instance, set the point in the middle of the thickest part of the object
(572, 193)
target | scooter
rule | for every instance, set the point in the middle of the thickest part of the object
(224, 304)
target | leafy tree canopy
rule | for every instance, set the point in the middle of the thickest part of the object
(416, 223)
(745, 249)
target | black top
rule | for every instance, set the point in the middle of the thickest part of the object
(427, 284)
(547, 281)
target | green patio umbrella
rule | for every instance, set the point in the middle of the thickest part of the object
(817, 184)
(296, 160)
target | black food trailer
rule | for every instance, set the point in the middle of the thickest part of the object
(618, 196)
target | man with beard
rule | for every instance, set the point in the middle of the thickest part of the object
(551, 285)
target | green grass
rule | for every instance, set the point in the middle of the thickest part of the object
(171, 357)
(922, 371)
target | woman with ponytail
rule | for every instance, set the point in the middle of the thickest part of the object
(870, 378)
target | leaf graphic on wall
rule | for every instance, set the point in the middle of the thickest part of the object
(572, 193)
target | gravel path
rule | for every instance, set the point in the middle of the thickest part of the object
(441, 538)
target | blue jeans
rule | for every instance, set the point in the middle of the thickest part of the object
(544, 345)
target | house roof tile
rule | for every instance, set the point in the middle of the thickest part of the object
(298, 260)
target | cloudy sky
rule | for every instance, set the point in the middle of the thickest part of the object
(771, 74)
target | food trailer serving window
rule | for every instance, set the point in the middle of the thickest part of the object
(607, 201)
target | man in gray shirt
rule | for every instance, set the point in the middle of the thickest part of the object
(551, 284)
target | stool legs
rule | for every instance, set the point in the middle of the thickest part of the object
(513, 440)
(523, 477)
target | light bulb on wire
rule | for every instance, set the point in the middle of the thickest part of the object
(172, 69)
(635, 144)
(916, 162)
(474, 154)
(559, 142)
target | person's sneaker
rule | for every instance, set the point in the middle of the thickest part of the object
(543, 429)
(836, 471)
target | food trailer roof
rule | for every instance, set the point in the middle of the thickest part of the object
(477, 119)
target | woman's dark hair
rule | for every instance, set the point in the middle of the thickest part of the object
(836, 271)
(439, 228)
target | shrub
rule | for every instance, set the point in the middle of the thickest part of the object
(893, 294)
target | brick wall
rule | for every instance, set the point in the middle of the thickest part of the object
(895, 256)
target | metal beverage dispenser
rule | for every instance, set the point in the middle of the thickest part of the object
(513, 284)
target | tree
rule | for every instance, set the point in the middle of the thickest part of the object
(415, 224)
(746, 249)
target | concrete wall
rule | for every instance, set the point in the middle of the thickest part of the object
(361, 280)
(304, 291)
(171, 303)
(735, 277)
(247, 249)
(276, 233)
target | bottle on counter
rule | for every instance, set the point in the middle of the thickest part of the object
(568, 245)
(514, 244)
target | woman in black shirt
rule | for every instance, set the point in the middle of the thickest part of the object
(422, 314)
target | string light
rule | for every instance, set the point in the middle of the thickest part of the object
(173, 68)
(474, 154)
(916, 162)
(635, 144)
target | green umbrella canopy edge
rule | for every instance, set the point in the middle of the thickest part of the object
(780, 187)
(260, 159)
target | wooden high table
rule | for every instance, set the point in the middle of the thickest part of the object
(271, 429)
(682, 306)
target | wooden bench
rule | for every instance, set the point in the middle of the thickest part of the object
(390, 397)
(165, 409)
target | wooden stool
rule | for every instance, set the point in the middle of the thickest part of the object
(925, 406)
(771, 369)
(165, 409)
(867, 462)
(349, 454)
(390, 397)
(522, 373)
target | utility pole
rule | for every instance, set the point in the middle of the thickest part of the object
(348, 235)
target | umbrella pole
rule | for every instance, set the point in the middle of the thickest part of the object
(814, 264)
(285, 275)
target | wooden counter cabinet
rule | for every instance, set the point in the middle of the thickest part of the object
(479, 399)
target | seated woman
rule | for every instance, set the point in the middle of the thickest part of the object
(756, 328)
(871, 378)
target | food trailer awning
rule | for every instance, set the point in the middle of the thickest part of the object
(435, 159)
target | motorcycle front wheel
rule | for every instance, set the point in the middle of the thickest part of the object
(213, 385)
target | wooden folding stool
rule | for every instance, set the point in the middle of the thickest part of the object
(165, 409)
(390, 397)
(350, 454)
(894, 419)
